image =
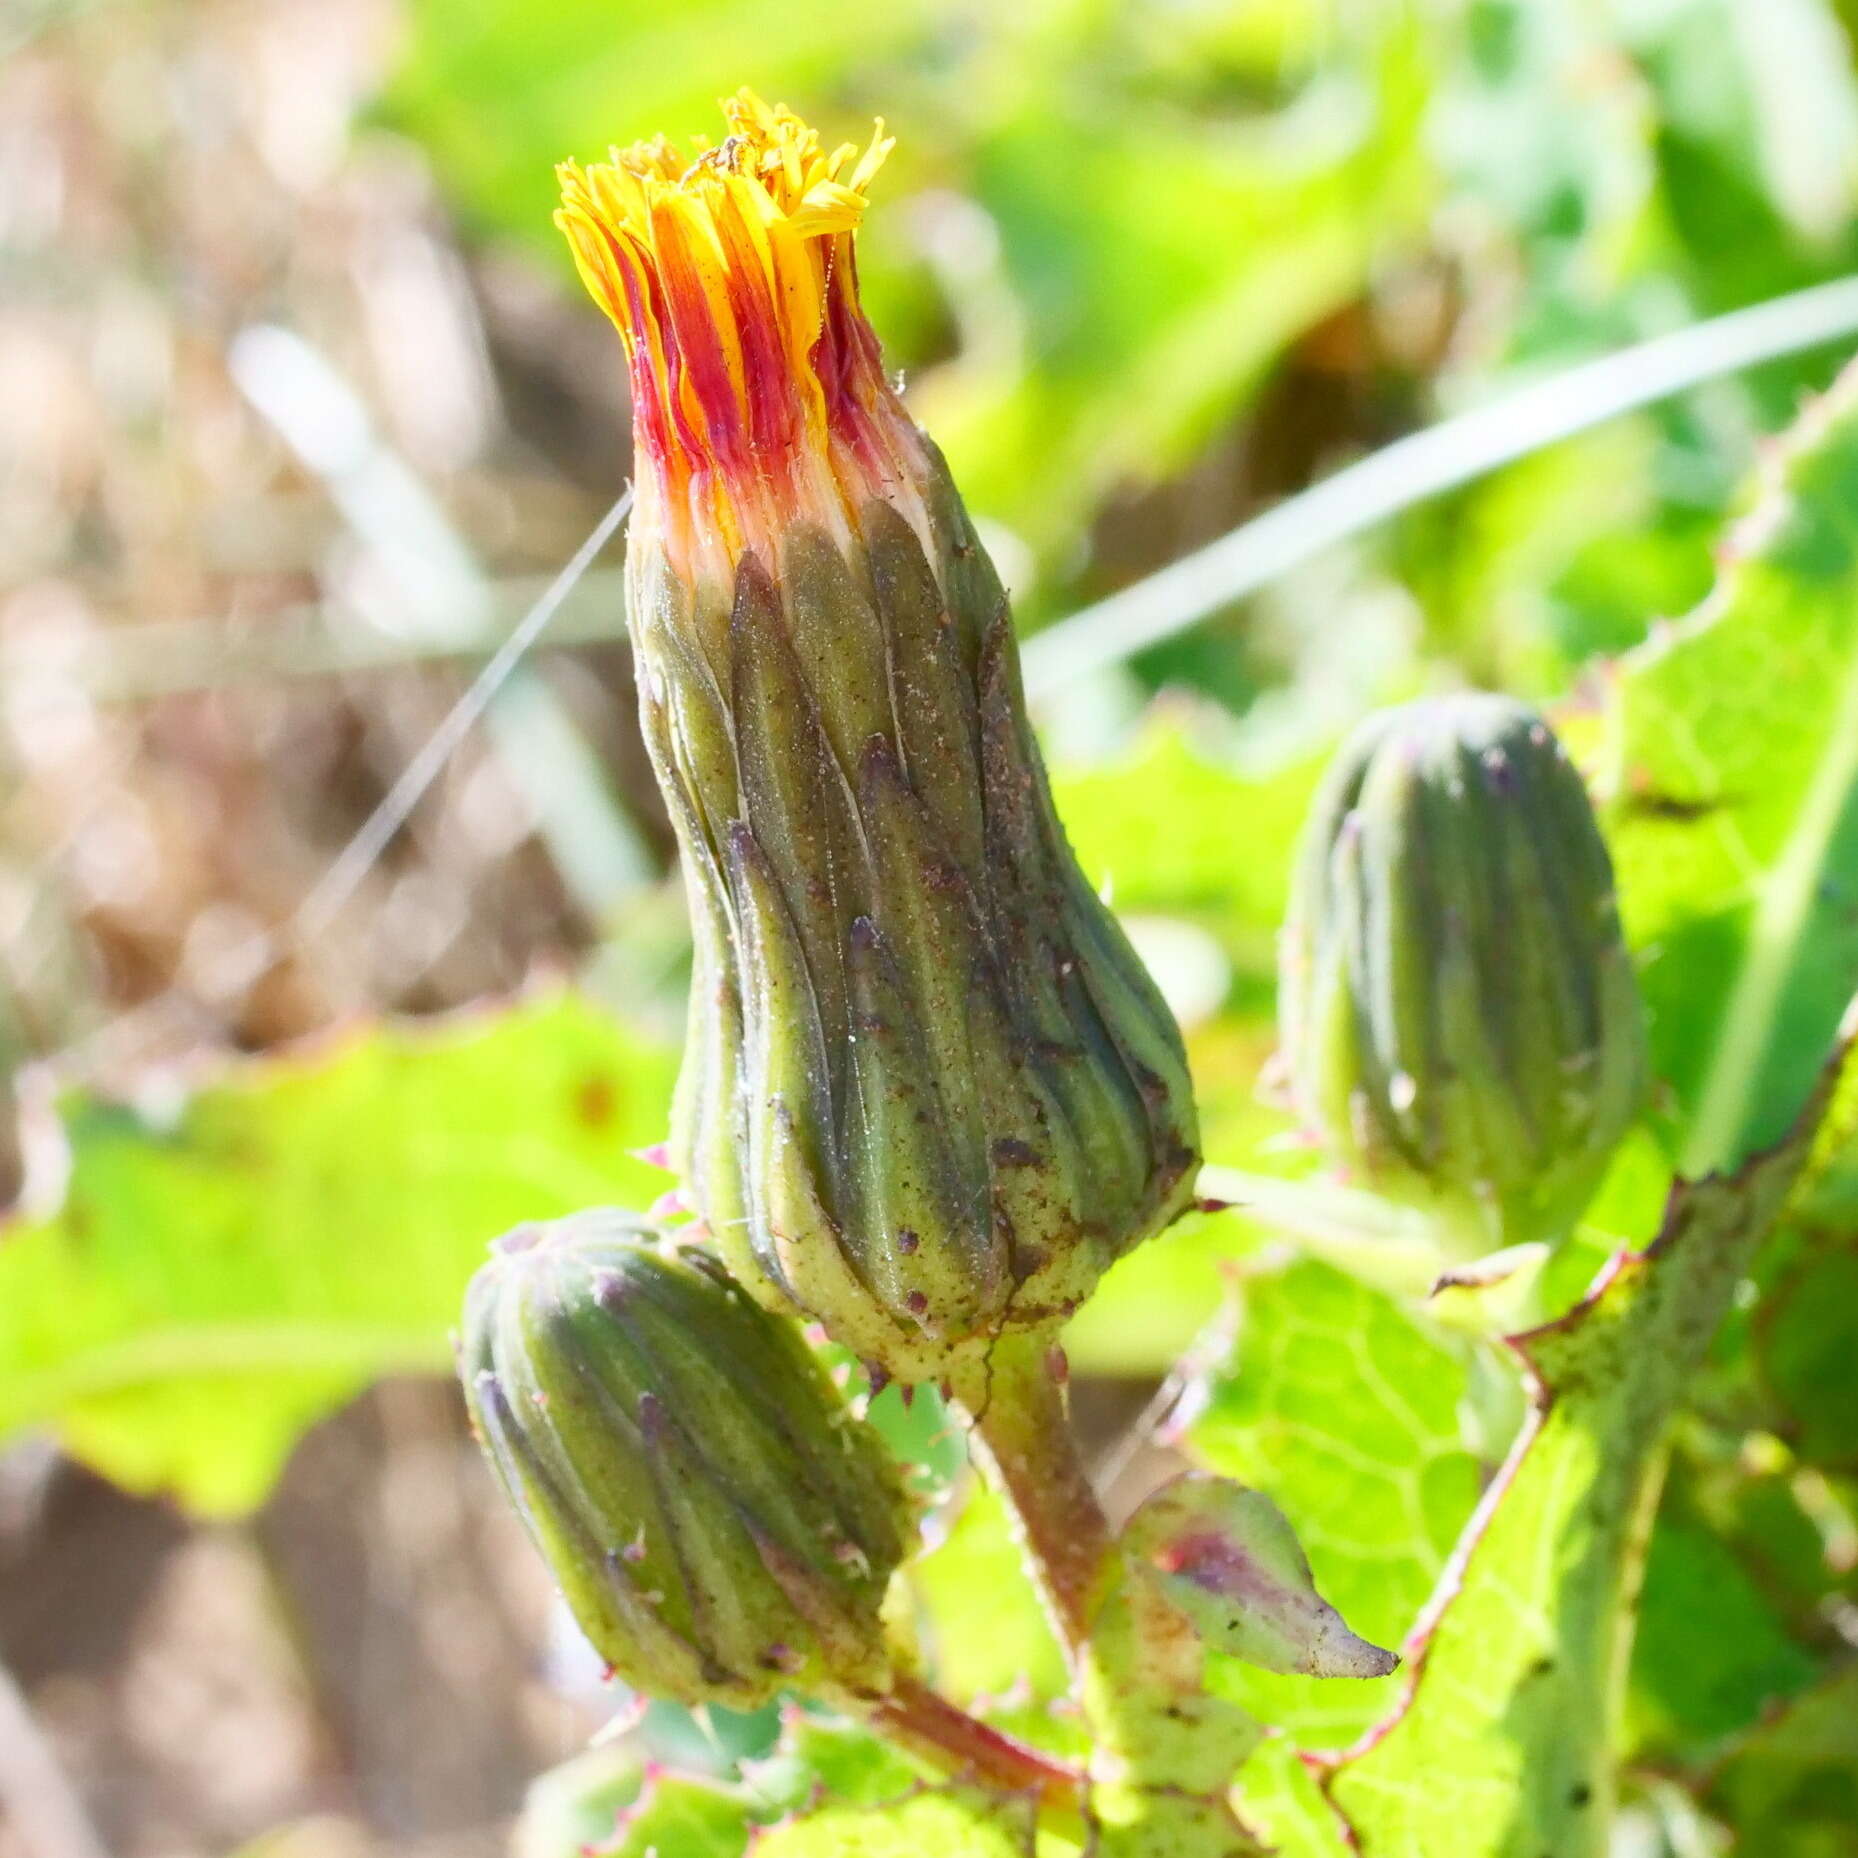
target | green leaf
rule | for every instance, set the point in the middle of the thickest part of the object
(1281, 1800)
(953, 1822)
(1342, 1409)
(1806, 1341)
(219, 1279)
(679, 1813)
(1692, 1688)
(982, 1628)
(826, 1757)
(1802, 1332)
(1204, 871)
(1731, 766)
(1224, 860)
(606, 1803)
(569, 1808)
(831, 1786)
(1139, 330)
(1502, 1748)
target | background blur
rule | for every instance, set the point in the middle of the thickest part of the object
(300, 408)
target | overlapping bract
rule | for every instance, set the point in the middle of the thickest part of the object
(1460, 1017)
(929, 1091)
(720, 1523)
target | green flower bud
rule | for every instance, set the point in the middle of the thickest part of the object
(720, 1523)
(1460, 1020)
(929, 1092)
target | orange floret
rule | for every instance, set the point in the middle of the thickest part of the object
(758, 388)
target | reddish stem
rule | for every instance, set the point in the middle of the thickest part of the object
(920, 1719)
(1017, 1409)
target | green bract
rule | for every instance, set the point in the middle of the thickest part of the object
(720, 1523)
(928, 1089)
(1461, 1023)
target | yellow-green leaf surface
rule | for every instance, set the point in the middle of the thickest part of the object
(220, 1277)
(954, 1822)
(1282, 1801)
(609, 1803)
(1504, 1746)
(1222, 866)
(1731, 770)
(1791, 1788)
(606, 1803)
(1224, 858)
(676, 1813)
(982, 1631)
(1347, 1414)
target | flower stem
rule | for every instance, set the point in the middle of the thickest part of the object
(1164, 1752)
(926, 1723)
(1016, 1408)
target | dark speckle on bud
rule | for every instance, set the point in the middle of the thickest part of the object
(1010, 1152)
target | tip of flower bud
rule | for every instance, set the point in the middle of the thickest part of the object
(728, 271)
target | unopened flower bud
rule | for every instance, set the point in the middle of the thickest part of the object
(929, 1091)
(721, 1525)
(1460, 1019)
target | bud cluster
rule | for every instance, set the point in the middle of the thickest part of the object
(929, 1092)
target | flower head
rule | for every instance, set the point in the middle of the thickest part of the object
(757, 385)
(928, 1091)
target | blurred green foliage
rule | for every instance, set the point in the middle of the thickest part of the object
(1116, 230)
(227, 1268)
